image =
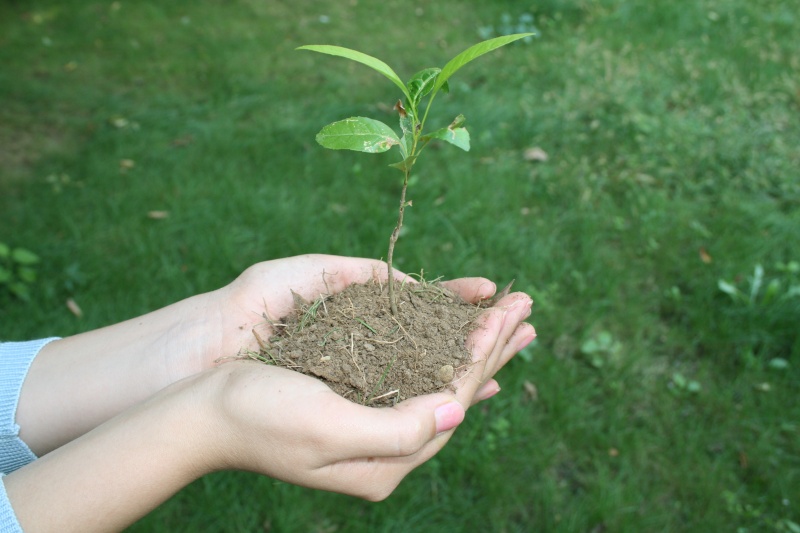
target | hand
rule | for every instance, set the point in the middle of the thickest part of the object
(265, 289)
(217, 326)
(501, 334)
(292, 427)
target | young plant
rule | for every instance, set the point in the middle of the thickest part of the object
(372, 136)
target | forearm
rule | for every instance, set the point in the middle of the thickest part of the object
(79, 382)
(118, 472)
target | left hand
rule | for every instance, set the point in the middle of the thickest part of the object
(265, 289)
(293, 427)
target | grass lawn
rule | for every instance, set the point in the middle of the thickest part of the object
(153, 150)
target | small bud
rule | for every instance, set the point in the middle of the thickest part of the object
(401, 110)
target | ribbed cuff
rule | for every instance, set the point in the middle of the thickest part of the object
(15, 360)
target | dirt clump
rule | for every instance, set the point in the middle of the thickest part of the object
(353, 343)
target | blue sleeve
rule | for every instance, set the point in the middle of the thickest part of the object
(8, 520)
(15, 360)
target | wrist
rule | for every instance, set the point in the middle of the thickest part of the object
(186, 413)
(137, 460)
(218, 443)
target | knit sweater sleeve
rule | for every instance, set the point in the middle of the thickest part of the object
(15, 360)
(8, 519)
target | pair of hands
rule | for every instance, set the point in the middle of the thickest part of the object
(133, 412)
(321, 440)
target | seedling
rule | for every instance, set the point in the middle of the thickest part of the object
(372, 136)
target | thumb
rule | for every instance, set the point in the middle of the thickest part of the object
(404, 429)
(472, 290)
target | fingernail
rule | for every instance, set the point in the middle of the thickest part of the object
(487, 291)
(448, 416)
(491, 393)
(529, 305)
(526, 341)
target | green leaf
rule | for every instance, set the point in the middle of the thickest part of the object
(771, 292)
(358, 133)
(791, 526)
(422, 83)
(24, 257)
(730, 289)
(455, 136)
(20, 290)
(407, 124)
(26, 274)
(5, 275)
(458, 122)
(778, 363)
(473, 52)
(590, 346)
(359, 57)
(4, 250)
(406, 164)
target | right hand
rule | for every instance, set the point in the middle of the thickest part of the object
(292, 427)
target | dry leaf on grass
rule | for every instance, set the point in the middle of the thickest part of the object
(535, 154)
(531, 391)
(74, 308)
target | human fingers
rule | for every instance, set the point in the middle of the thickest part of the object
(323, 441)
(493, 342)
(320, 423)
(486, 391)
(472, 290)
(397, 440)
(311, 274)
(523, 335)
(495, 327)
(399, 431)
(271, 288)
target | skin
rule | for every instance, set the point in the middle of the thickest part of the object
(125, 416)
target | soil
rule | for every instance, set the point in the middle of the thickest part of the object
(353, 343)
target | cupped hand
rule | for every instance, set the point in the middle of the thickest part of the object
(292, 427)
(263, 293)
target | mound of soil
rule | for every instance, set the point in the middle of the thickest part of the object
(353, 343)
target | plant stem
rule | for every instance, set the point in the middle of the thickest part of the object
(393, 240)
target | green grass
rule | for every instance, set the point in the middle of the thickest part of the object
(673, 143)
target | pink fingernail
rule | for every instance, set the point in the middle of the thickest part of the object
(448, 416)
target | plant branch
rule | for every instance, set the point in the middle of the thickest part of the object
(393, 240)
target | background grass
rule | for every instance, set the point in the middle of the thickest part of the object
(673, 152)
